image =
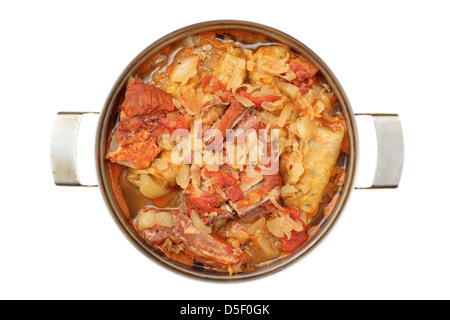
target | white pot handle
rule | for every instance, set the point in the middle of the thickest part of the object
(390, 151)
(64, 149)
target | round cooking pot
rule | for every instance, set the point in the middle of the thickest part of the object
(388, 131)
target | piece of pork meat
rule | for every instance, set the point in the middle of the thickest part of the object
(249, 120)
(227, 122)
(256, 203)
(138, 151)
(143, 114)
(145, 100)
(210, 205)
(156, 235)
(202, 247)
(205, 247)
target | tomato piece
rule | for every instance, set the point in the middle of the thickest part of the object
(233, 111)
(258, 101)
(221, 179)
(211, 84)
(305, 77)
(206, 203)
(294, 213)
(296, 241)
(235, 193)
(189, 101)
(297, 238)
(301, 72)
(172, 124)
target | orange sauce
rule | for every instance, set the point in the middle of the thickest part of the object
(114, 171)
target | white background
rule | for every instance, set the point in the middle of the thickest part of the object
(61, 243)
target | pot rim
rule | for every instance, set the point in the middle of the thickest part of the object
(107, 115)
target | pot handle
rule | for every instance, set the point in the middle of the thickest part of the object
(64, 149)
(390, 151)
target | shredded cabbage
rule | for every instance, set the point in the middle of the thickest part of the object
(244, 101)
(272, 60)
(283, 225)
(289, 89)
(250, 178)
(307, 129)
(285, 114)
(236, 79)
(288, 190)
(274, 106)
(296, 172)
(185, 69)
(231, 71)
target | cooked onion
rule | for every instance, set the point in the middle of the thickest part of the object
(165, 219)
(160, 164)
(296, 226)
(146, 220)
(269, 246)
(184, 176)
(177, 104)
(150, 218)
(212, 167)
(165, 142)
(151, 189)
(266, 91)
(257, 226)
(275, 228)
(134, 179)
(198, 223)
(234, 230)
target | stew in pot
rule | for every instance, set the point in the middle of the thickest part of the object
(228, 152)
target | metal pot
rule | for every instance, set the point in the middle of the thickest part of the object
(388, 129)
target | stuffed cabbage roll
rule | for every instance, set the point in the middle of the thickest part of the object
(324, 152)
